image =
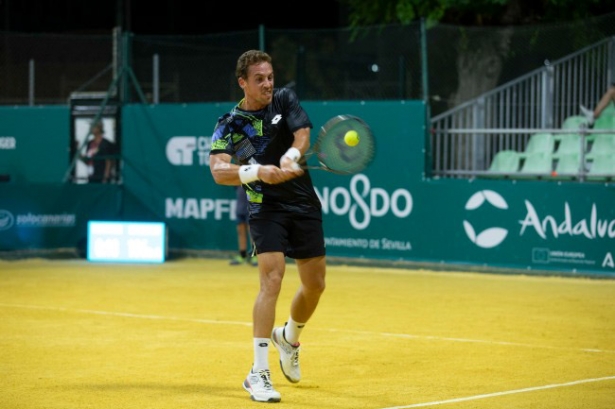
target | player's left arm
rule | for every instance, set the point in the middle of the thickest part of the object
(299, 124)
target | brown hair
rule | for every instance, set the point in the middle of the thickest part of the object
(249, 58)
(99, 126)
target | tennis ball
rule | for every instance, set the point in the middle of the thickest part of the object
(351, 138)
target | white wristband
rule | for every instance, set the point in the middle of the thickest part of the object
(293, 154)
(248, 173)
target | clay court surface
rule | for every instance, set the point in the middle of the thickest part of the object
(78, 335)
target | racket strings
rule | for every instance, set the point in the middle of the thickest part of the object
(335, 154)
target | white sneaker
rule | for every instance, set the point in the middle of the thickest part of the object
(289, 355)
(588, 114)
(260, 388)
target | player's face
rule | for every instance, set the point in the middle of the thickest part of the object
(258, 87)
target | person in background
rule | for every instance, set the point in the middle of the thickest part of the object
(241, 214)
(98, 156)
(608, 96)
(268, 132)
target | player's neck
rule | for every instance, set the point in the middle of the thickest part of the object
(247, 105)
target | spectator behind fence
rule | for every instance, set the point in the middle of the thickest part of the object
(98, 156)
(608, 96)
(241, 214)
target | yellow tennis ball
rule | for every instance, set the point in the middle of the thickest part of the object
(351, 138)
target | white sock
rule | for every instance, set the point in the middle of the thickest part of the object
(292, 330)
(261, 354)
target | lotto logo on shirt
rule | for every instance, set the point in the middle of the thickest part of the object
(188, 150)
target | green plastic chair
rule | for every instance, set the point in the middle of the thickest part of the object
(505, 163)
(537, 165)
(602, 167)
(574, 122)
(568, 166)
(540, 142)
(604, 144)
(568, 143)
(606, 120)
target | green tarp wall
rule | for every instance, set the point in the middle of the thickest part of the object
(391, 211)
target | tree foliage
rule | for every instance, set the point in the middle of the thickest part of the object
(479, 56)
(472, 12)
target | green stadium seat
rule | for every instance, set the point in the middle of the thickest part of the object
(574, 122)
(536, 165)
(606, 120)
(603, 144)
(568, 143)
(505, 163)
(568, 165)
(540, 142)
(601, 167)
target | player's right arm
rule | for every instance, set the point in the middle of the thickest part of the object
(223, 171)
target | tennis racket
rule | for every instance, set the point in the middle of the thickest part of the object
(339, 151)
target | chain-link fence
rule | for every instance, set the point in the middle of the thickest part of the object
(373, 63)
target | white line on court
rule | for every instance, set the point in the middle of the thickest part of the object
(126, 314)
(416, 405)
(478, 341)
(495, 394)
(369, 333)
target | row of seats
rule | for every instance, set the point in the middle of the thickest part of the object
(544, 165)
(568, 143)
(565, 155)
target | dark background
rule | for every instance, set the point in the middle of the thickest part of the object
(165, 17)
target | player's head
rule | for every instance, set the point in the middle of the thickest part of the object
(255, 76)
(249, 58)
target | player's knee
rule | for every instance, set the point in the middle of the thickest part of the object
(272, 284)
(316, 287)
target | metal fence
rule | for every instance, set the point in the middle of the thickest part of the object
(466, 139)
(472, 78)
(373, 64)
(438, 63)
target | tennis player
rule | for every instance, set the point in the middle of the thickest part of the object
(267, 133)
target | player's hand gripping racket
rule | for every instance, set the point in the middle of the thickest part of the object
(345, 145)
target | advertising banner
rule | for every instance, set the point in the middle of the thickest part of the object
(390, 211)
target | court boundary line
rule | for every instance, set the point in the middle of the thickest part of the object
(496, 394)
(249, 324)
(478, 341)
(126, 314)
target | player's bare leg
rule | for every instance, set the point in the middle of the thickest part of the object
(305, 301)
